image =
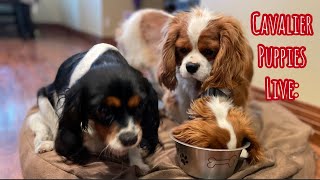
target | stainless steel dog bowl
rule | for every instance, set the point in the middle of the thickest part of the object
(207, 163)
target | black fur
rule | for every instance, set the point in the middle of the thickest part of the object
(109, 75)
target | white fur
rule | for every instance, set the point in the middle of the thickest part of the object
(44, 124)
(59, 103)
(86, 62)
(135, 158)
(116, 144)
(196, 57)
(221, 108)
(196, 25)
(244, 153)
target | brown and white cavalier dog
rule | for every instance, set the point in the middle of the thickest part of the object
(203, 50)
(138, 39)
(214, 122)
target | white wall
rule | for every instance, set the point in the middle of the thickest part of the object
(83, 15)
(48, 12)
(114, 12)
(309, 77)
(90, 16)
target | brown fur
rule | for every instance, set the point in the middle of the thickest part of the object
(243, 127)
(106, 134)
(232, 67)
(113, 101)
(167, 68)
(134, 101)
(203, 131)
(149, 25)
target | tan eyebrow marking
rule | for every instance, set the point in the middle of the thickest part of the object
(134, 101)
(113, 101)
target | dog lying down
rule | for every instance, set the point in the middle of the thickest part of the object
(97, 103)
(215, 123)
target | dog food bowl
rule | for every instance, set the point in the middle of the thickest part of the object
(207, 163)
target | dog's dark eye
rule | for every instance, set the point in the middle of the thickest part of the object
(137, 110)
(183, 50)
(209, 53)
(105, 113)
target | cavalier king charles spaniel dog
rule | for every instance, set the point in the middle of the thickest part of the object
(203, 50)
(97, 103)
(214, 122)
(138, 39)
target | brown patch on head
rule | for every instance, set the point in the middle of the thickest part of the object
(134, 101)
(209, 43)
(183, 46)
(167, 68)
(243, 128)
(106, 133)
(113, 101)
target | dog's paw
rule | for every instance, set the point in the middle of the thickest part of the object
(169, 99)
(144, 168)
(44, 146)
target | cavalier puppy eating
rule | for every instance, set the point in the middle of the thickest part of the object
(97, 103)
(215, 123)
(202, 49)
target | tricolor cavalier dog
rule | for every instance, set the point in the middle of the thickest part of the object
(97, 103)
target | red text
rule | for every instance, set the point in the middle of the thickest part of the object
(280, 57)
(281, 24)
(278, 89)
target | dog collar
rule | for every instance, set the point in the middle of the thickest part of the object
(216, 92)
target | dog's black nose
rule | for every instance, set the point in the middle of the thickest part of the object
(192, 67)
(128, 138)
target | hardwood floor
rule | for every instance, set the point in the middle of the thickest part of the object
(24, 67)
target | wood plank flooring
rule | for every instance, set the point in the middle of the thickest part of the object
(24, 67)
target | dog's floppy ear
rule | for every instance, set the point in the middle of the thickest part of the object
(233, 64)
(255, 150)
(245, 130)
(167, 67)
(150, 121)
(73, 119)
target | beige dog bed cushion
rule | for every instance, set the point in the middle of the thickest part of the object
(284, 137)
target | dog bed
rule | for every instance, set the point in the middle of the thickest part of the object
(284, 137)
